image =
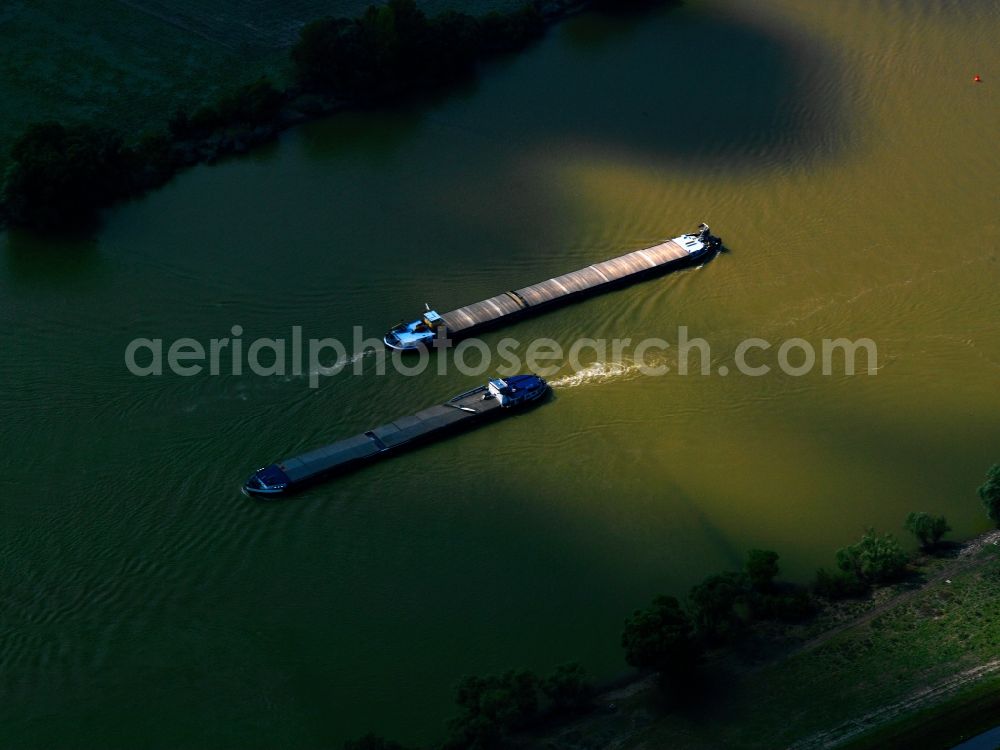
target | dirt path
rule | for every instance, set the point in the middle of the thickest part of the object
(922, 698)
(964, 559)
(572, 735)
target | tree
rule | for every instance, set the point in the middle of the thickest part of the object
(491, 707)
(60, 176)
(926, 528)
(152, 160)
(989, 493)
(325, 52)
(452, 48)
(385, 52)
(714, 605)
(661, 637)
(257, 103)
(876, 558)
(567, 687)
(761, 568)
(393, 48)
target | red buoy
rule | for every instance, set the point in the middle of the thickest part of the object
(977, 79)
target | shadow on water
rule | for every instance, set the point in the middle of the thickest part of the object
(376, 135)
(675, 85)
(606, 22)
(687, 85)
(382, 131)
(51, 260)
(663, 79)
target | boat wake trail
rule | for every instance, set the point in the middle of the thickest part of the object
(599, 372)
(356, 357)
(341, 364)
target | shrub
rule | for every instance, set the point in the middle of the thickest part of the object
(393, 49)
(989, 493)
(348, 58)
(61, 175)
(257, 103)
(877, 558)
(926, 528)
(383, 53)
(150, 162)
(661, 637)
(492, 707)
(714, 605)
(453, 45)
(761, 568)
(179, 124)
(319, 55)
(568, 687)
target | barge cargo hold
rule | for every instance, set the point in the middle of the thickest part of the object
(498, 396)
(464, 321)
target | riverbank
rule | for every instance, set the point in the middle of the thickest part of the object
(862, 674)
(133, 63)
(62, 175)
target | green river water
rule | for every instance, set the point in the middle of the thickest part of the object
(841, 150)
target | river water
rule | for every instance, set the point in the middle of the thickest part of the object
(986, 741)
(841, 150)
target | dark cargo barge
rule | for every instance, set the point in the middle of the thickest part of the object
(495, 398)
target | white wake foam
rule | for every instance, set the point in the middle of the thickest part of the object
(598, 372)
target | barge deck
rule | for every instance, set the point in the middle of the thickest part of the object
(464, 410)
(465, 320)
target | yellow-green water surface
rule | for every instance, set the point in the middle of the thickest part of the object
(842, 151)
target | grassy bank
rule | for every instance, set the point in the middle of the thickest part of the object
(970, 713)
(115, 64)
(61, 175)
(859, 667)
(131, 64)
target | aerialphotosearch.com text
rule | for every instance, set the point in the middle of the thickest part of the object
(316, 359)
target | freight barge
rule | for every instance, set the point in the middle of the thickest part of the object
(466, 320)
(498, 396)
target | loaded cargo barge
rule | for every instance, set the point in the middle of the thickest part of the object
(466, 320)
(495, 398)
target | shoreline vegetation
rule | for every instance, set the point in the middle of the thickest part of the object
(882, 644)
(61, 176)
